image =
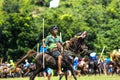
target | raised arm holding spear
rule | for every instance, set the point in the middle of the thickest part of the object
(101, 54)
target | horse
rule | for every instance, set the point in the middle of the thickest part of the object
(27, 70)
(115, 56)
(6, 71)
(50, 61)
(15, 72)
(3, 71)
(75, 47)
(83, 66)
(93, 67)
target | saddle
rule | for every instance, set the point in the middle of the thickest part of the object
(50, 52)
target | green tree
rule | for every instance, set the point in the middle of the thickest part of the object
(18, 35)
(11, 6)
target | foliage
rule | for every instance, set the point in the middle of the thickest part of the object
(17, 34)
(11, 6)
(21, 23)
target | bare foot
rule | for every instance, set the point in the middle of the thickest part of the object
(60, 73)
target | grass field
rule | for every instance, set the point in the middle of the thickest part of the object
(102, 77)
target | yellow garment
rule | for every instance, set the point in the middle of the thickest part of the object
(77, 36)
(12, 64)
(111, 57)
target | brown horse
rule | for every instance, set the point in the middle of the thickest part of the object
(115, 56)
(76, 46)
(14, 71)
(49, 61)
(5, 71)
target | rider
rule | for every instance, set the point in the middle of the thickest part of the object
(75, 63)
(12, 65)
(93, 55)
(55, 46)
(27, 64)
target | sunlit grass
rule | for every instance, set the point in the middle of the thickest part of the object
(92, 77)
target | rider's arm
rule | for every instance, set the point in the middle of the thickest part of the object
(45, 41)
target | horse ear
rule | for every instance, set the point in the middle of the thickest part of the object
(78, 34)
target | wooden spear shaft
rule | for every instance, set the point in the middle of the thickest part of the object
(43, 44)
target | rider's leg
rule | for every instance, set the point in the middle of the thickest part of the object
(49, 76)
(58, 55)
(59, 64)
(49, 71)
(44, 74)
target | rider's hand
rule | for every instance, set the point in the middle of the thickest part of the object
(43, 40)
(43, 45)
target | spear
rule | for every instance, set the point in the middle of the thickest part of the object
(60, 36)
(101, 54)
(38, 47)
(43, 43)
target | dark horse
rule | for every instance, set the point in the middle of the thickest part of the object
(49, 61)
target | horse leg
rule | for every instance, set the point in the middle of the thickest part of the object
(27, 72)
(60, 77)
(36, 71)
(68, 75)
(33, 75)
(73, 73)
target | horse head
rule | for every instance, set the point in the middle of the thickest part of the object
(77, 44)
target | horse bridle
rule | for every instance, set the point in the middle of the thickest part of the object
(73, 47)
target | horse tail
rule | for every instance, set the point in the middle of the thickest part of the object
(29, 54)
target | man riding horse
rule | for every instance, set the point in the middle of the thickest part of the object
(60, 58)
(55, 46)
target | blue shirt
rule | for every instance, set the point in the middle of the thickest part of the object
(75, 62)
(93, 56)
(107, 60)
(27, 64)
(43, 49)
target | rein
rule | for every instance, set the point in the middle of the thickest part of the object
(75, 45)
(71, 49)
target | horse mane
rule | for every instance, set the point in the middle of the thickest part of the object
(115, 56)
